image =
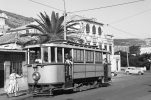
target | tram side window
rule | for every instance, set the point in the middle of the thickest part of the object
(98, 57)
(89, 56)
(59, 55)
(52, 54)
(79, 56)
(45, 54)
(35, 55)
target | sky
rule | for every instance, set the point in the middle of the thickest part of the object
(131, 20)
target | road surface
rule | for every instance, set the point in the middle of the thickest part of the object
(126, 87)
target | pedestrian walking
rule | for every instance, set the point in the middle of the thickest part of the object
(13, 84)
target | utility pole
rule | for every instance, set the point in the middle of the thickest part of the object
(127, 60)
(64, 20)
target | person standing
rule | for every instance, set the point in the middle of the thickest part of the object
(13, 84)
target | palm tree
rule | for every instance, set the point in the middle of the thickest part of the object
(51, 29)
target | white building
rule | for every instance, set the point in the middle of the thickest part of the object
(93, 32)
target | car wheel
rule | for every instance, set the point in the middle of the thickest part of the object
(139, 73)
(127, 72)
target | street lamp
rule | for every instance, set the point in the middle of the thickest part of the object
(64, 19)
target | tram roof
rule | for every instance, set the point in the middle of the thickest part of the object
(66, 44)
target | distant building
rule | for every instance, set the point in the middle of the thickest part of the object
(148, 41)
(145, 49)
(3, 26)
(116, 63)
(121, 48)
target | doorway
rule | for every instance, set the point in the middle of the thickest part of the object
(68, 68)
(1, 75)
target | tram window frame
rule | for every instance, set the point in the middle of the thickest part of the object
(45, 54)
(78, 56)
(98, 57)
(89, 56)
(59, 55)
(53, 56)
(34, 53)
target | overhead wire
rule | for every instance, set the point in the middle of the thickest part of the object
(128, 17)
(121, 30)
(120, 4)
(107, 6)
(45, 5)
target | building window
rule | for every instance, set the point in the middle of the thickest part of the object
(27, 31)
(87, 28)
(105, 47)
(94, 29)
(110, 48)
(100, 46)
(99, 31)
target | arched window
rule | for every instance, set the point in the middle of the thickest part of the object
(87, 28)
(94, 29)
(99, 31)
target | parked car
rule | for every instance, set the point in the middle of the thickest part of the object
(134, 70)
(142, 68)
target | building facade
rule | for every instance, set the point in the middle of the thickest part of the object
(11, 57)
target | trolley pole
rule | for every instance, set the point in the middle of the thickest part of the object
(64, 20)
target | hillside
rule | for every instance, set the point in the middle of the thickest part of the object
(15, 20)
(130, 42)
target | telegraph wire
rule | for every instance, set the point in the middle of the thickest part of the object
(120, 4)
(45, 5)
(128, 17)
(123, 31)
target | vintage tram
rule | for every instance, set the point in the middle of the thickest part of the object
(48, 69)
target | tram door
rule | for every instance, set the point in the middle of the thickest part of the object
(68, 68)
(1, 75)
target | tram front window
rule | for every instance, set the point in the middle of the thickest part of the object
(35, 55)
(52, 54)
(59, 55)
(45, 54)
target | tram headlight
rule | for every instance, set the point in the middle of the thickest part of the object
(36, 76)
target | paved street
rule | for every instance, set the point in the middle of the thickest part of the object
(124, 87)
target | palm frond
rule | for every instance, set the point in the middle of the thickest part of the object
(44, 19)
(53, 21)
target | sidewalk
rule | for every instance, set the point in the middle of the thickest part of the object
(119, 74)
(4, 97)
(21, 95)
